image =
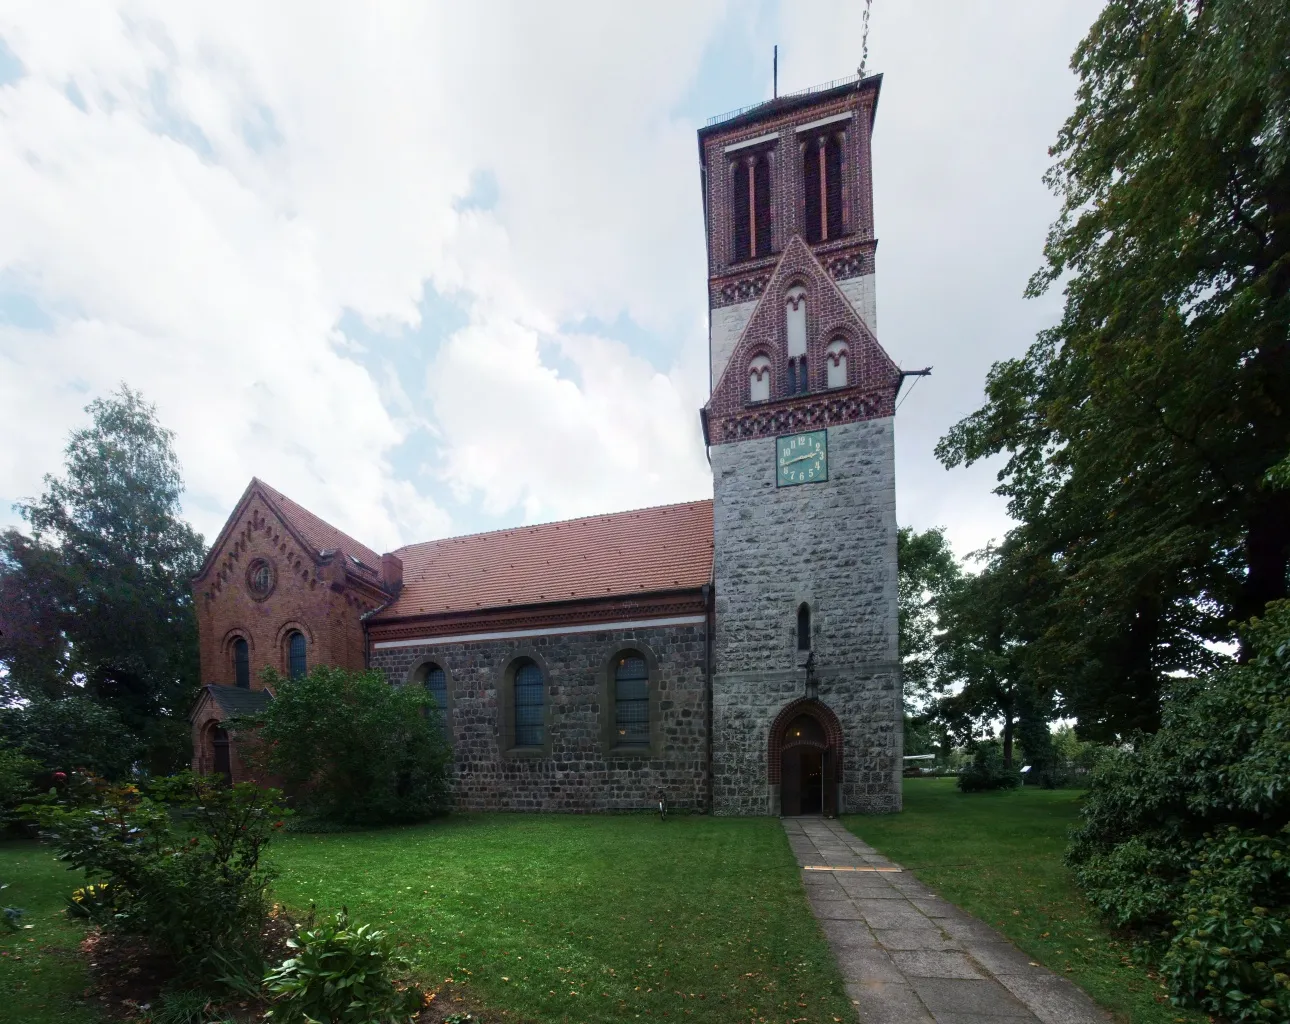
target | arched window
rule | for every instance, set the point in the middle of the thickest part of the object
(750, 205)
(296, 663)
(759, 379)
(242, 663)
(804, 627)
(795, 338)
(631, 700)
(437, 684)
(835, 362)
(761, 206)
(528, 705)
(822, 183)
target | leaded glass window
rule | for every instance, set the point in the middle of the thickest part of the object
(296, 666)
(437, 684)
(631, 700)
(242, 663)
(528, 705)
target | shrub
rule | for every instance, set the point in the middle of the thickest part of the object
(987, 770)
(361, 751)
(341, 974)
(72, 733)
(1186, 840)
(16, 775)
(191, 881)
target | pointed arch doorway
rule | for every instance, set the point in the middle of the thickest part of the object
(805, 760)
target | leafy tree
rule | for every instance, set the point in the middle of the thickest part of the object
(1186, 839)
(72, 733)
(97, 598)
(1140, 431)
(357, 749)
(927, 571)
(990, 622)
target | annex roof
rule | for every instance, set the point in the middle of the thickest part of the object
(319, 533)
(234, 701)
(644, 551)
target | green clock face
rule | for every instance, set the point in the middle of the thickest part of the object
(802, 458)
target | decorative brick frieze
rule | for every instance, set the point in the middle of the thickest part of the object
(571, 613)
(808, 412)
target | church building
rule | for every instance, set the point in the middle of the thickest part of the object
(738, 654)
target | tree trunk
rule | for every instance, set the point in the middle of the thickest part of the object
(1267, 551)
(1008, 727)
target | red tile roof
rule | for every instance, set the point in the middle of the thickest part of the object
(320, 535)
(652, 549)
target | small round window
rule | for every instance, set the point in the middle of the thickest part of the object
(260, 578)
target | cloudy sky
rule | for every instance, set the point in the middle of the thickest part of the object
(432, 268)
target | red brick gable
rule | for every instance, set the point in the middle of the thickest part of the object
(872, 376)
(621, 554)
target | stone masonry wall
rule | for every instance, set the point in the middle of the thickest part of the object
(728, 323)
(833, 545)
(578, 771)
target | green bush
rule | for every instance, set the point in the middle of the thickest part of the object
(359, 750)
(1186, 840)
(340, 974)
(17, 773)
(987, 770)
(180, 864)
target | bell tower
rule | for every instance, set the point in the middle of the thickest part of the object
(807, 708)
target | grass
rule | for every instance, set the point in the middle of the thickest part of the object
(550, 917)
(588, 918)
(999, 856)
(41, 975)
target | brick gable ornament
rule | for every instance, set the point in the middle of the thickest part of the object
(873, 378)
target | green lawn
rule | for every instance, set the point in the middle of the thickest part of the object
(589, 918)
(41, 976)
(999, 856)
(551, 917)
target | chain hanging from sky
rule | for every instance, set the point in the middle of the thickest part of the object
(864, 38)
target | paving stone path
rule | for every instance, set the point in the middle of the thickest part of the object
(910, 957)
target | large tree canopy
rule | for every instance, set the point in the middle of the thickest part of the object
(1140, 431)
(97, 598)
(927, 572)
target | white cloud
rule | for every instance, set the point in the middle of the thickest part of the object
(242, 175)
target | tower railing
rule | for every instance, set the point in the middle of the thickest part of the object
(730, 115)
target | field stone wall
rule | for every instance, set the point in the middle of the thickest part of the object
(832, 545)
(577, 771)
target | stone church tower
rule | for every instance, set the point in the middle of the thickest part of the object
(806, 689)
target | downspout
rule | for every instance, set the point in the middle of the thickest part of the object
(367, 637)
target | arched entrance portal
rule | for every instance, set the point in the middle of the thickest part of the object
(222, 763)
(805, 760)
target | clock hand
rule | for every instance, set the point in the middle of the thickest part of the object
(800, 458)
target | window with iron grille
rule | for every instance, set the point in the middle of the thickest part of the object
(437, 684)
(242, 663)
(528, 705)
(631, 700)
(296, 665)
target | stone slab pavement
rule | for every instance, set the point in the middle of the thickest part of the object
(910, 957)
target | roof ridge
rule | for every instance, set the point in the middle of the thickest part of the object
(554, 522)
(281, 496)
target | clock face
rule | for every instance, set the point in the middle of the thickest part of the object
(802, 458)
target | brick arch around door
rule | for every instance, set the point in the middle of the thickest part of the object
(805, 746)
